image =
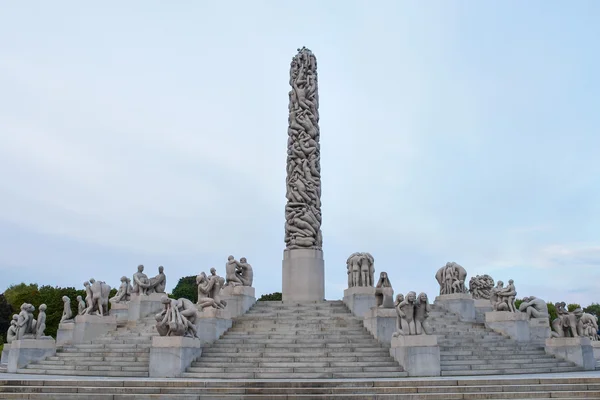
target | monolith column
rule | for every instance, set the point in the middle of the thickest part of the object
(303, 267)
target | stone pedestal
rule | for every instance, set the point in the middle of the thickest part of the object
(65, 333)
(5, 350)
(513, 325)
(419, 355)
(482, 306)
(121, 311)
(360, 299)
(539, 330)
(595, 348)
(170, 356)
(461, 304)
(239, 299)
(26, 351)
(142, 306)
(577, 350)
(212, 324)
(303, 275)
(89, 327)
(381, 322)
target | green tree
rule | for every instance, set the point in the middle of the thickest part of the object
(21, 293)
(6, 313)
(573, 307)
(271, 297)
(552, 311)
(593, 309)
(186, 288)
(518, 303)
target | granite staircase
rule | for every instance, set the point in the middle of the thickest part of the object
(472, 349)
(296, 341)
(123, 353)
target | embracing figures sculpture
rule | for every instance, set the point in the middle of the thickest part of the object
(412, 313)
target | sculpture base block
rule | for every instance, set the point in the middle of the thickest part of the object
(303, 275)
(89, 327)
(142, 306)
(239, 299)
(360, 299)
(461, 304)
(381, 322)
(121, 311)
(65, 333)
(212, 323)
(481, 307)
(577, 350)
(539, 330)
(419, 355)
(5, 350)
(513, 325)
(170, 356)
(26, 351)
(595, 348)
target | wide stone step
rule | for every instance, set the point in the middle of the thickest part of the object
(288, 375)
(499, 365)
(304, 352)
(477, 360)
(92, 362)
(293, 364)
(300, 359)
(82, 372)
(323, 344)
(236, 341)
(511, 371)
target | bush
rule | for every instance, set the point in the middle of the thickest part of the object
(186, 288)
(271, 297)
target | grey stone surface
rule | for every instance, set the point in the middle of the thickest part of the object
(5, 350)
(212, 324)
(67, 314)
(419, 355)
(539, 329)
(577, 350)
(141, 306)
(451, 278)
(143, 285)
(120, 311)
(384, 293)
(245, 272)
(178, 318)
(589, 324)
(481, 286)
(503, 298)
(534, 307)
(303, 182)
(567, 324)
(361, 269)
(481, 307)
(511, 324)
(88, 327)
(461, 304)
(239, 299)
(171, 355)
(360, 299)
(96, 298)
(40, 326)
(124, 293)
(65, 333)
(209, 290)
(303, 275)
(381, 322)
(596, 350)
(25, 351)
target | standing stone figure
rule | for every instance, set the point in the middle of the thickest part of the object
(208, 290)
(303, 183)
(40, 326)
(123, 295)
(26, 324)
(11, 334)
(503, 298)
(384, 293)
(481, 286)
(158, 283)
(245, 272)
(97, 297)
(534, 307)
(67, 315)
(451, 278)
(361, 269)
(81, 306)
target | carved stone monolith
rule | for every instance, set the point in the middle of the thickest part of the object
(303, 266)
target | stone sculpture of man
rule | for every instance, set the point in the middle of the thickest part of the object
(26, 324)
(498, 303)
(208, 288)
(81, 306)
(67, 315)
(422, 311)
(124, 293)
(245, 273)
(534, 307)
(159, 282)
(140, 281)
(508, 295)
(41, 322)
(175, 320)
(231, 276)
(11, 334)
(384, 293)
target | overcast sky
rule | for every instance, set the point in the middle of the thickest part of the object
(155, 132)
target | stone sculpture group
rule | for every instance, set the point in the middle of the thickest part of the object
(209, 288)
(178, 318)
(451, 278)
(481, 286)
(503, 298)
(25, 326)
(142, 285)
(574, 323)
(412, 312)
(361, 269)
(96, 297)
(238, 273)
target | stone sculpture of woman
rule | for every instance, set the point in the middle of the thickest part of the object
(67, 315)
(422, 311)
(11, 334)
(384, 293)
(206, 291)
(81, 306)
(406, 315)
(124, 293)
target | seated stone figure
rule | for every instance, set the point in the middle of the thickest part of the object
(244, 272)
(123, 295)
(590, 326)
(140, 281)
(81, 306)
(208, 291)
(158, 283)
(534, 307)
(11, 334)
(231, 268)
(26, 324)
(384, 293)
(67, 315)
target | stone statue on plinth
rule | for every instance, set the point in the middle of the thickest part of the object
(67, 314)
(503, 298)
(244, 272)
(451, 278)
(590, 326)
(26, 323)
(231, 275)
(140, 281)
(158, 283)
(123, 295)
(481, 286)
(361, 269)
(534, 307)
(40, 326)
(384, 293)
(412, 313)
(11, 334)
(208, 290)
(81, 306)
(177, 318)
(97, 293)
(567, 324)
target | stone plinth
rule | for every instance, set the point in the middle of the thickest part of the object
(360, 299)
(142, 306)
(89, 327)
(5, 350)
(576, 350)
(481, 307)
(26, 351)
(513, 325)
(303, 275)
(381, 322)
(170, 356)
(65, 333)
(419, 355)
(539, 330)
(239, 299)
(461, 304)
(595, 348)
(212, 323)
(121, 311)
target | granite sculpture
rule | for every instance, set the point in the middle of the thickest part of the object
(412, 313)
(97, 293)
(209, 289)
(11, 334)
(67, 314)
(303, 182)
(178, 318)
(123, 295)
(40, 325)
(231, 272)
(503, 298)
(481, 286)
(245, 272)
(384, 293)
(81, 306)
(361, 269)
(142, 285)
(26, 323)
(589, 326)
(158, 283)
(567, 324)
(534, 307)
(451, 278)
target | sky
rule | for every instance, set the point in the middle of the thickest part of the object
(151, 132)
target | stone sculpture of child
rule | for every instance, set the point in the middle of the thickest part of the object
(81, 306)
(67, 315)
(421, 314)
(41, 322)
